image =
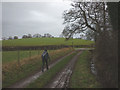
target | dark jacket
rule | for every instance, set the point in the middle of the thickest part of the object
(45, 55)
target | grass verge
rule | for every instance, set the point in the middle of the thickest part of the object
(82, 76)
(48, 75)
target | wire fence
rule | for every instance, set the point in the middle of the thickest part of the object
(49, 47)
(18, 55)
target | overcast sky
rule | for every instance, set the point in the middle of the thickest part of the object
(33, 17)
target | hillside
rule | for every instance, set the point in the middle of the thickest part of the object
(45, 41)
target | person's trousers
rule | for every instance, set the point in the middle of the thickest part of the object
(44, 61)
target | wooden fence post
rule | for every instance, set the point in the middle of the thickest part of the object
(72, 44)
(30, 53)
(38, 52)
(18, 57)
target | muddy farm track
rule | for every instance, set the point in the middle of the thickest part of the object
(24, 82)
(61, 79)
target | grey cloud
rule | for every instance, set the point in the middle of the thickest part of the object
(23, 18)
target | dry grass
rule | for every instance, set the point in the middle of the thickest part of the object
(9, 65)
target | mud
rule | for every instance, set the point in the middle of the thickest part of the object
(61, 80)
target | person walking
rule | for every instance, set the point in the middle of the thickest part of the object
(45, 57)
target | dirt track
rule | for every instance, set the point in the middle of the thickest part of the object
(24, 82)
(61, 80)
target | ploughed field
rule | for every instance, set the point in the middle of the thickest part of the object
(45, 41)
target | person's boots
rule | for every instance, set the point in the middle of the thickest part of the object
(47, 68)
(42, 70)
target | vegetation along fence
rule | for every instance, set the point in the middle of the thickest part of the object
(8, 56)
(49, 47)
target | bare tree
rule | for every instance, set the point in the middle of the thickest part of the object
(29, 36)
(48, 35)
(94, 16)
(24, 36)
(15, 37)
(90, 35)
(37, 35)
(84, 16)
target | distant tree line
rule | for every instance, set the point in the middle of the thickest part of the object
(46, 35)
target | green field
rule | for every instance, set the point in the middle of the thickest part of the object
(45, 41)
(8, 56)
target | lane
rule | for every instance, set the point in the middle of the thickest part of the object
(61, 80)
(23, 83)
